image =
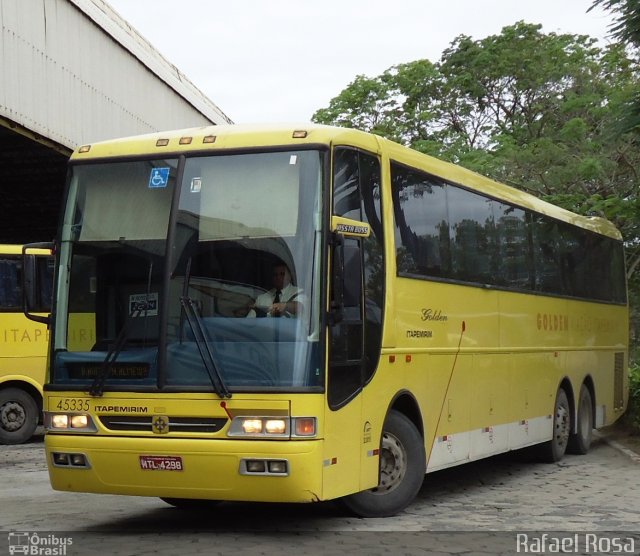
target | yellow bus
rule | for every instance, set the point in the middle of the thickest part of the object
(425, 317)
(23, 351)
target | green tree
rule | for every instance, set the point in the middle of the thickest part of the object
(626, 25)
(535, 110)
(626, 29)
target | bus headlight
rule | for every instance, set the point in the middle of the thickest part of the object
(273, 427)
(69, 422)
(252, 426)
(59, 421)
(80, 421)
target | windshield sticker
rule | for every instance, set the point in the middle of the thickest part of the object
(293, 160)
(159, 178)
(352, 229)
(196, 185)
(143, 304)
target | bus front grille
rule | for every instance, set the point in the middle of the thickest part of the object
(618, 381)
(136, 423)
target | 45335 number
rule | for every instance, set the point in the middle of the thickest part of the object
(73, 404)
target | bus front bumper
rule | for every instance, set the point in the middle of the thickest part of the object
(187, 468)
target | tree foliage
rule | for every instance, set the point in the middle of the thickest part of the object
(539, 111)
(626, 25)
(626, 29)
(534, 110)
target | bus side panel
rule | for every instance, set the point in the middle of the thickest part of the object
(447, 409)
(532, 323)
(533, 385)
(580, 339)
(342, 447)
(489, 401)
(602, 331)
(439, 326)
(21, 337)
(23, 348)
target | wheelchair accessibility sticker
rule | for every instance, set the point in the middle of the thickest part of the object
(159, 178)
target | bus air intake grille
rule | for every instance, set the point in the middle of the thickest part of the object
(136, 423)
(618, 381)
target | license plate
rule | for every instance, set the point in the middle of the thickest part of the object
(161, 463)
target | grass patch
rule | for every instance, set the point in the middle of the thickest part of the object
(632, 416)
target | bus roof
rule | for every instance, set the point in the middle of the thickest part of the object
(222, 137)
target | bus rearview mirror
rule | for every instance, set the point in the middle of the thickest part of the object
(33, 279)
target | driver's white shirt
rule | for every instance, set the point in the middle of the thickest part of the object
(265, 300)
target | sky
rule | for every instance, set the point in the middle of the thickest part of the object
(266, 61)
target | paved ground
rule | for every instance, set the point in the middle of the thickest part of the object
(479, 508)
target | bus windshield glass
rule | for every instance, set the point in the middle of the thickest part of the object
(194, 282)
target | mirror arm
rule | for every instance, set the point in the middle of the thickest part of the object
(29, 285)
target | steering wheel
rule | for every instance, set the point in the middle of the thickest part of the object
(263, 311)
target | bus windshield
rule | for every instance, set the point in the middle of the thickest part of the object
(191, 273)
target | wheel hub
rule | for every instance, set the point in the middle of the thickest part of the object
(562, 425)
(12, 416)
(393, 464)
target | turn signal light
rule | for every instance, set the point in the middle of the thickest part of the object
(305, 426)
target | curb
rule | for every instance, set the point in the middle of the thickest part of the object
(633, 456)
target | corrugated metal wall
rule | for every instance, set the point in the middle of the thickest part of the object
(75, 72)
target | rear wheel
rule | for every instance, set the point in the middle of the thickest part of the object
(18, 416)
(402, 469)
(554, 449)
(580, 442)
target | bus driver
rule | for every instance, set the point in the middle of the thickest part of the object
(281, 300)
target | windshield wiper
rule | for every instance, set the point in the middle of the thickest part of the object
(97, 387)
(200, 336)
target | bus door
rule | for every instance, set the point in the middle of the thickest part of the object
(343, 438)
(357, 292)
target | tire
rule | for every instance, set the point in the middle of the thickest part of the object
(402, 470)
(190, 503)
(554, 449)
(18, 416)
(580, 442)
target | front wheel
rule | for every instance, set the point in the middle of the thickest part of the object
(402, 469)
(18, 416)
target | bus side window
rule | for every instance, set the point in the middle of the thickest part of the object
(345, 369)
(347, 336)
(10, 290)
(352, 281)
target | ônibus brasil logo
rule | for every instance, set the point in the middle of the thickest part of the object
(38, 544)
